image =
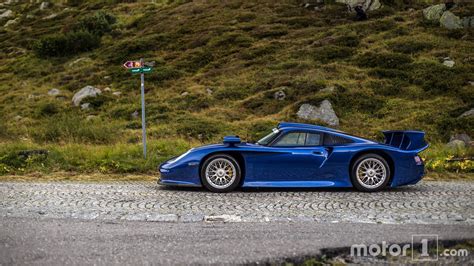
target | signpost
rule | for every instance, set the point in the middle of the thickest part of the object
(141, 67)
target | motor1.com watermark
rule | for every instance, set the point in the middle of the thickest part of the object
(421, 248)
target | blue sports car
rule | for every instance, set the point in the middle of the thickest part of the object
(301, 155)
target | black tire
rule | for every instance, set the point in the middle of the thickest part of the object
(370, 157)
(235, 181)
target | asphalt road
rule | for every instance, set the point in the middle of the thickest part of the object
(85, 242)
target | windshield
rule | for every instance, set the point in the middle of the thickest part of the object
(268, 138)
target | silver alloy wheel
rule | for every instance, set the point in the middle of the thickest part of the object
(220, 173)
(371, 173)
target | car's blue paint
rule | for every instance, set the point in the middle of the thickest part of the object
(316, 166)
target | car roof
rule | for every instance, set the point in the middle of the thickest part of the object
(307, 126)
(357, 139)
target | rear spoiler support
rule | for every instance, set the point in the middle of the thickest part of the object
(406, 140)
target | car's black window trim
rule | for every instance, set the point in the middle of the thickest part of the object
(327, 135)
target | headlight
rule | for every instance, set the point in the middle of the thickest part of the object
(179, 157)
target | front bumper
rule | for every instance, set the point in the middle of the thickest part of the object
(184, 174)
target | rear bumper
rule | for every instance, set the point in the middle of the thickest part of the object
(409, 176)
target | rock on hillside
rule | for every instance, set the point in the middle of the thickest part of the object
(87, 91)
(367, 5)
(323, 112)
(434, 13)
(450, 21)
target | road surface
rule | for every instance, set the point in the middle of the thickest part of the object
(138, 222)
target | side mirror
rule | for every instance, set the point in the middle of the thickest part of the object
(232, 140)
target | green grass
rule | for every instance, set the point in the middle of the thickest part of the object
(387, 73)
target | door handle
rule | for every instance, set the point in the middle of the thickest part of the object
(318, 152)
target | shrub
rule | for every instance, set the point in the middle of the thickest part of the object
(266, 31)
(437, 78)
(98, 23)
(232, 93)
(4, 132)
(48, 109)
(384, 60)
(191, 102)
(197, 128)
(73, 129)
(410, 46)
(66, 44)
(162, 73)
(246, 17)
(331, 53)
(349, 40)
(195, 60)
(389, 73)
(231, 39)
(258, 51)
(97, 101)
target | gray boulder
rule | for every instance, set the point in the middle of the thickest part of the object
(329, 89)
(456, 144)
(44, 5)
(450, 21)
(468, 113)
(434, 13)
(462, 137)
(367, 5)
(279, 95)
(323, 112)
(11, 22)
(54, 92)
(135, 115)
(448, 62)
(6, 14)
(85, 106)
(87, 91)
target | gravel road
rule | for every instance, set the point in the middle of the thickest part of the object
(131, 223)
(425, 203)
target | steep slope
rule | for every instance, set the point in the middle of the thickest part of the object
(218, 65)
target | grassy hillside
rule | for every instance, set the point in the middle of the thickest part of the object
(217, 67)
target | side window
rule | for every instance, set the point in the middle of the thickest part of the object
(292, 139)
(299, 139)
(313, 139)
(330, 140)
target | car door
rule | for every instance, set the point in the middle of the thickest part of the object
(294, 156)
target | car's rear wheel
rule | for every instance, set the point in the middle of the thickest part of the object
(220, 173)
(370, 172)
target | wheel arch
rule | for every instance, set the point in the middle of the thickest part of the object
(379, 152)
(235, 154)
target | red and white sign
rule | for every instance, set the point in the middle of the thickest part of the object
(132, 64)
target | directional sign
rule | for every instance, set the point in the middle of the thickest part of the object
(132, 64)
(141, 67)
(135, 70)
(147, 69)
(141, 70)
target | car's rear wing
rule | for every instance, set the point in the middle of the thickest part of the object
(406, 140)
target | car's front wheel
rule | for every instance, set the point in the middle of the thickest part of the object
(220, 173)
(370, 172)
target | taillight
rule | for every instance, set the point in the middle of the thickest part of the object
(418, 160)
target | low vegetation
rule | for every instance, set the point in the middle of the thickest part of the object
(217, 68)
